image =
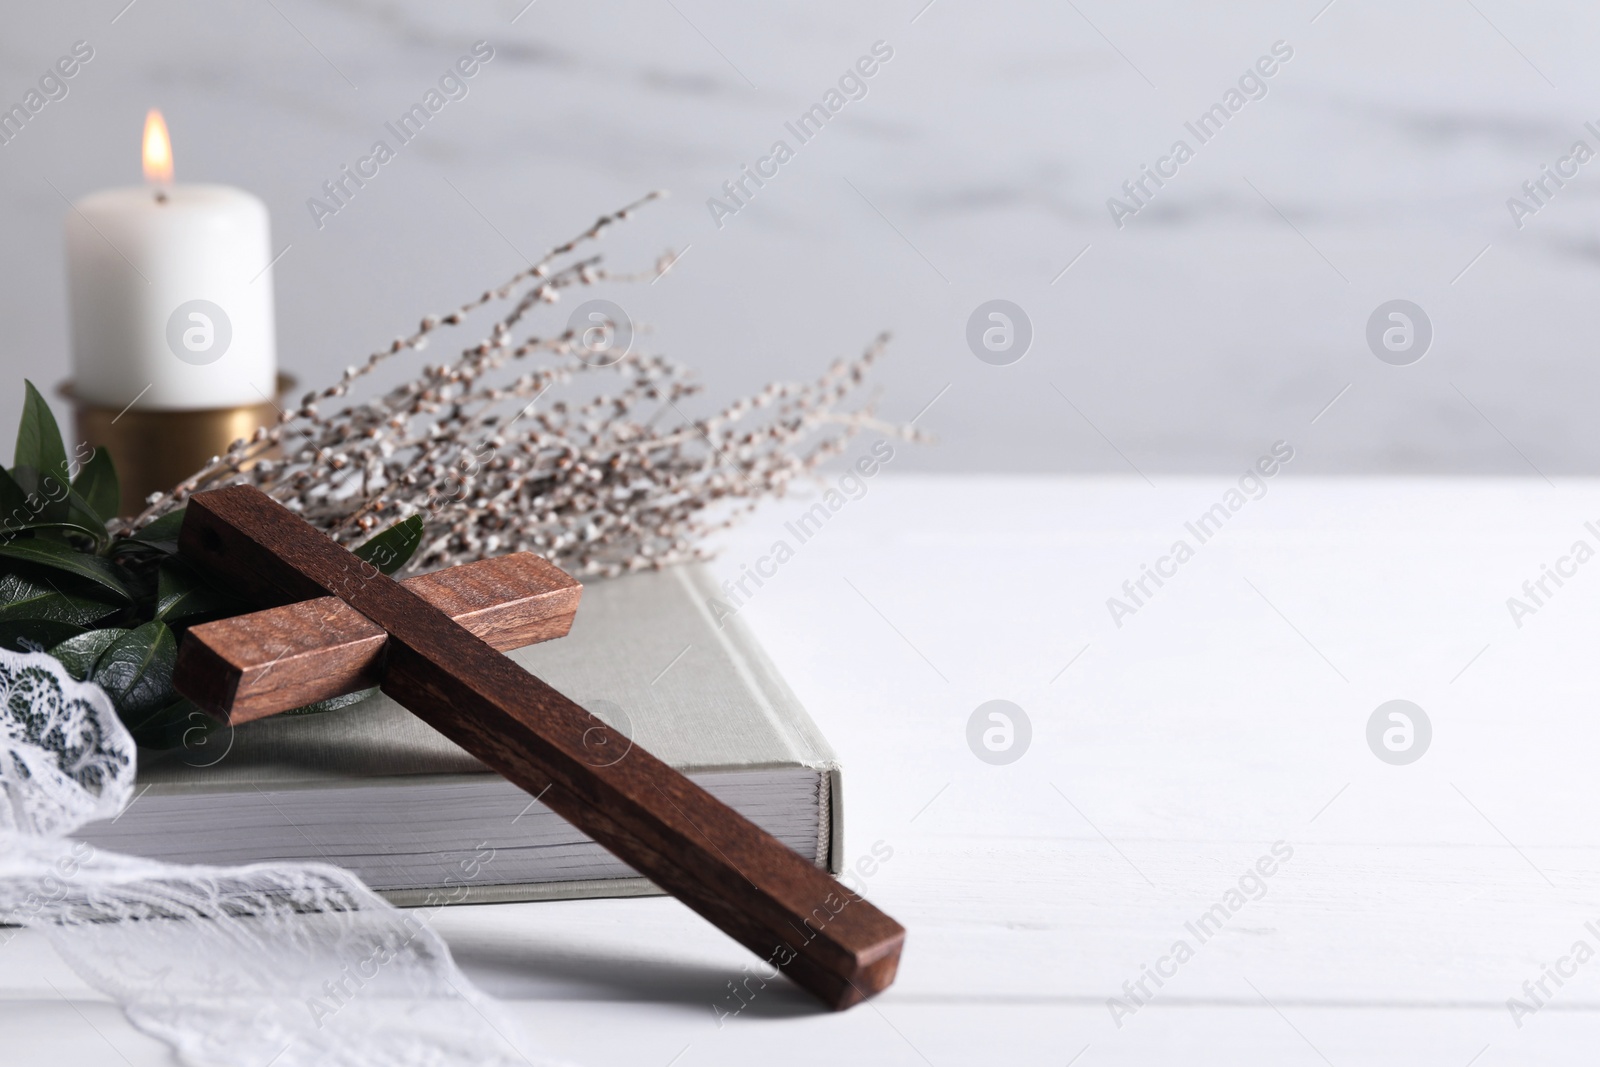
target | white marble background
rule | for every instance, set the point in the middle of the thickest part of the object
(1223, 317)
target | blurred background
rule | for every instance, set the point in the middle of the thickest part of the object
(1229, 311)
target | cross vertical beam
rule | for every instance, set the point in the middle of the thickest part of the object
(825, 938)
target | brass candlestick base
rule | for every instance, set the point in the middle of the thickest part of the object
(155, 450)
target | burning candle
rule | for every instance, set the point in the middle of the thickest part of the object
(170, 289)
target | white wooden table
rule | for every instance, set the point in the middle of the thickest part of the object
(1167, 756)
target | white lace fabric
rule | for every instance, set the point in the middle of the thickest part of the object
(291, 965)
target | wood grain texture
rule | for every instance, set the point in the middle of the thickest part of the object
(248, 667)
(828, 940)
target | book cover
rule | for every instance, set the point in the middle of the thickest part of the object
(372, 788)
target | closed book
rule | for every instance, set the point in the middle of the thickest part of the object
(372, 788)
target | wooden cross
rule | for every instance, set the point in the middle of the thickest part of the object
(431, 644)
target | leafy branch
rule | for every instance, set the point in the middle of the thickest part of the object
(111, 605)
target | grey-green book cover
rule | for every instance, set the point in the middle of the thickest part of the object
(373, 788)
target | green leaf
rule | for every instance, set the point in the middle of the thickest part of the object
(35, 635)
(26, 509)
(139, 550)
(82, 515)
(14, 510)
(63, 533)
(136, 671)
(97, 485)
(80, 654)
(173, 726)
(61, 557)
(27, 594)
(389, 550)
(39, 464)
(183, 596)
(161, 531)
(38, 437)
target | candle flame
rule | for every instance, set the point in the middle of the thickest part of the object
(157, 149)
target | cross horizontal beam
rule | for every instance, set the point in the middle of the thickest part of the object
(250, 666)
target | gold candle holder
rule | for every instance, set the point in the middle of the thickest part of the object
(155, 450)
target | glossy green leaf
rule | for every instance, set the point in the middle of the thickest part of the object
(81, 654)
(180, 724)
(61, 557)
(125, 548)
(82, 519)
(30, 594)
(97, 486)
(183, 596)
(162, 531)
(14, 510)
(388, 551)
(38, 437)
(48, 494)
(135, 670)
(35, 635)
(39, 463)
(72, 534)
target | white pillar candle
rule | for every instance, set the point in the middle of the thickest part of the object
(170, 290)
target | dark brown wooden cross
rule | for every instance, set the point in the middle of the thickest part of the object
(335, 624)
